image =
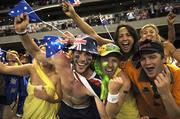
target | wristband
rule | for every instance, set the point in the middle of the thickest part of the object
(113, 98)
(21, 33)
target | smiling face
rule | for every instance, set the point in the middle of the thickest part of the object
(152, 64)
(82, 61)
(109, 64)
(125, 40)
(149, 33)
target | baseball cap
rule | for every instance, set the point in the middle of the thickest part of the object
(148, 47)
(86, 44)
(108, 48)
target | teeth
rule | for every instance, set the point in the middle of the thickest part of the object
(81, 64)
(108, 70)
(125, 43)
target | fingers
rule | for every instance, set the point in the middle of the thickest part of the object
(166, 69)
(21, 18)
(65, 6)
(118, 80)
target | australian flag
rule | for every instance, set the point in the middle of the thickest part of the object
(103, 20)
(53, 44)
(39, 42)
(24, 7)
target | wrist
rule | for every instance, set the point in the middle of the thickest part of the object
(113, 98)
(21, 32)
(74, 15)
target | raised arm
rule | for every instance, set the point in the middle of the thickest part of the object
(171, 30)
(118, 88)
(15, 70)
(85, 28)
(101, 109)
(169, 99)
(172, 51)
(21, 22)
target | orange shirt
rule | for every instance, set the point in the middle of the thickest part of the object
(148, 103)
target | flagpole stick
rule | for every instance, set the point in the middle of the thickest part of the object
(108, 32)
(106, 28)
(42, 8)
(54, 27)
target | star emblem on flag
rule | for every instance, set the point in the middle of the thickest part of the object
(24, 7)
(53, 45)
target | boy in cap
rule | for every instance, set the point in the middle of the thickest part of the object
(156, 84)
(125, 106)
(78, 101)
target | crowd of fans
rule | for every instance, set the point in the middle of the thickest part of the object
(132, 14)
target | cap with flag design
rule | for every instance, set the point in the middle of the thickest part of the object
(53, 44)
(24, 7)
(86, 44)
(108, 48)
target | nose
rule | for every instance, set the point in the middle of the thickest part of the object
(149, 34)
(147, 61)
(110, 64)
(124, 37)
(82, 57)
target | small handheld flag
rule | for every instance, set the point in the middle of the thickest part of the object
(24, 7)
(104, 22)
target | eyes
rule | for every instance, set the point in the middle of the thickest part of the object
(145, 32)
(151, 57)
(127, 35)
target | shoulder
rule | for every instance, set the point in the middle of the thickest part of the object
(131, 70)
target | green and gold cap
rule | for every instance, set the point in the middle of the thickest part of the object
(108, 48)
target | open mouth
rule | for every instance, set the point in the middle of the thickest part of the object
(81, 65)
(108, 70)
(125, 45)
(150, 69)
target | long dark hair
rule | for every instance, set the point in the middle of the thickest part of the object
(131, 30)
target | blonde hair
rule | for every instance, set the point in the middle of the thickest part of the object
(155, 28)
(150, 25)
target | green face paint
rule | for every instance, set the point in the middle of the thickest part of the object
(104, 64)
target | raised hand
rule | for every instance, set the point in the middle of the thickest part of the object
(171, 18)
(162, 81)
(115, 85)
(126, 81)
(21, 22)
(68, 9)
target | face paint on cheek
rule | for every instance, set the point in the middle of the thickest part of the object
(104, 64)
(76, 57)
(115, 64)
(89, 59)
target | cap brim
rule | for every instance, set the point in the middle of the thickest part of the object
(106, 53)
